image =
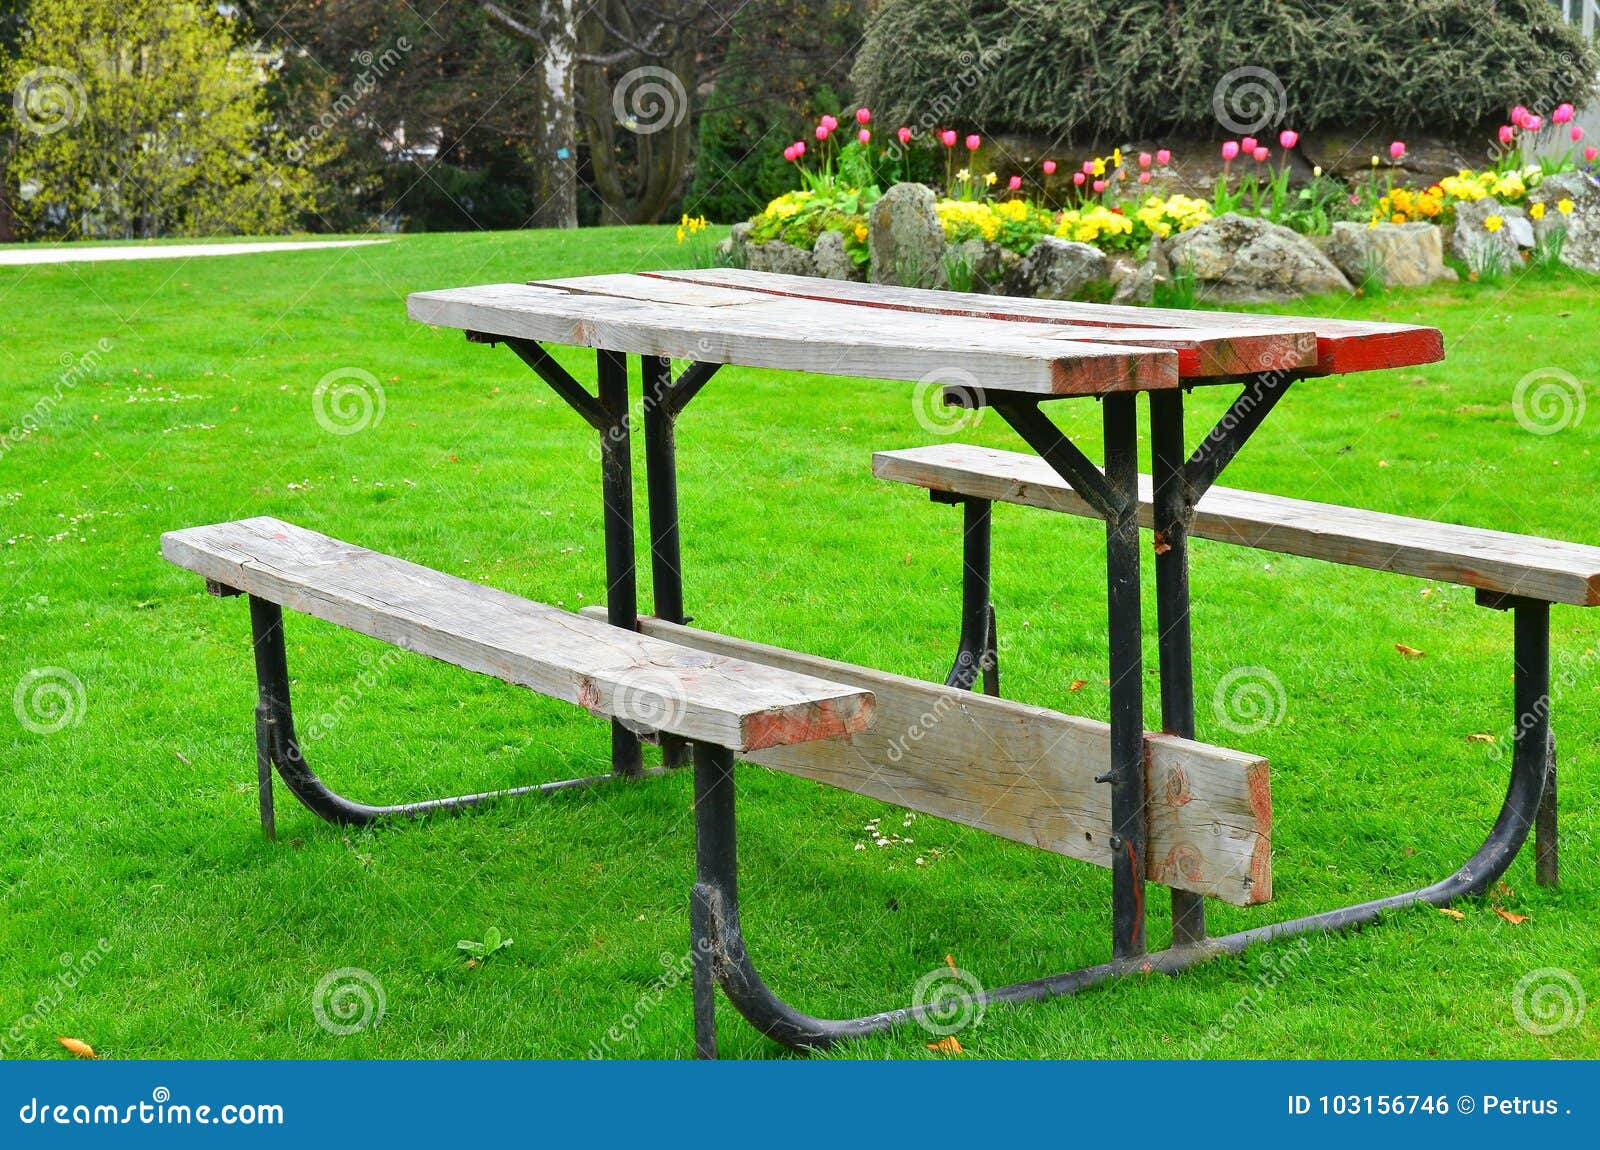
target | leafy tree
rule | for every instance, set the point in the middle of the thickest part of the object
(145, 118)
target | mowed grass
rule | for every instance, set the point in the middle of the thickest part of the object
(135, 822)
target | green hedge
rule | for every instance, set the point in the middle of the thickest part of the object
(1090, 70)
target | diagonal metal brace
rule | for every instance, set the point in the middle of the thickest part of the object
(562, 383)
(1065, 457)
(1232, 431)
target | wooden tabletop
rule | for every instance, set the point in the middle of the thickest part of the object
(833, 327)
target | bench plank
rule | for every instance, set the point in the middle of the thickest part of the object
(756, 329)
(607, 670)
(1342, 345)
(1027, 774)
(1497, 561)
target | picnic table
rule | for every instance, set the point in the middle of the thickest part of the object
(1156, 807)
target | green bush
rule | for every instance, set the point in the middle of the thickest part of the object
(1088, 70)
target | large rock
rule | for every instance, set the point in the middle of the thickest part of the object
(1137, 285)
(1057, 269)
(1402, 255)
(1581, 248)
(777, 256)
(905, 237)
(1242, 259)
(831, 259)
(1474, 244)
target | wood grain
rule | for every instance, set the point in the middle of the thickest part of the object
(764, 330)
(1499, 561)
(607, 670)
(1027, 774)
(1341, 345)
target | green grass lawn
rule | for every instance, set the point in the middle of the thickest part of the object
(129, 836)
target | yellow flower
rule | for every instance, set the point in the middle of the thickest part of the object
(1399, 218)
(1565, 206)
(1493, 224)
(1116, 157)
(1099, 166)
(1537, 211)
(861, 233)
(989, 178)
(681, 233)
(963, 175)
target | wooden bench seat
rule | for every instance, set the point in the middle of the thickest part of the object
(609, 671)
(1497, 562)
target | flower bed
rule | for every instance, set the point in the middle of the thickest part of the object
(1128, 206)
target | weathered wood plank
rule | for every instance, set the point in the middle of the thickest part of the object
(764, 330)
(605, 669)
(1496, 561)
(1342, 345)
(1027, 774)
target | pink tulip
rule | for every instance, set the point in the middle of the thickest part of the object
(1397, 150)
(1563, 114)
(1261, 155)
(829, 123)
(1144, 177)
(905, 135)
(1079, 177)
(1230, 150)
(1591, 153)
(1248, 144)
(799, 147)
(822, 131)
(972, 143)
(790, 154)
(947, 138)
(1014, 183)
(1507, 133)
(1288, 139)
(1145, 159)
(1533, 123)
(1099, 186)
(863, 116)
(863, 135)
(1049, 167)
(1518, 114)
(1163, 157)
(1577, 133)
(1088, 167)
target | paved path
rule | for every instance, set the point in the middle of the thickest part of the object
(69, 255)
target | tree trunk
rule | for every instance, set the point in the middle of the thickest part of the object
(556, 153)
(8, 218)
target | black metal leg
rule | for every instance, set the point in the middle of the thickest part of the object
(714, 902)
(616, 481)
(272, 699)
(1126, 775)
(1174, 512)
(1547, 839)
(661, 481)
(977, 657)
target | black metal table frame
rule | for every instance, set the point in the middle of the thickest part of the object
(719, 954)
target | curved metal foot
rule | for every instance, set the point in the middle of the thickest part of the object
(718, 935)
(278, 748)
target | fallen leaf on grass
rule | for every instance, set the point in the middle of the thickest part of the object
(1513, 919)
(78, 1046)
(1475, 738)
(1409, 652)
(946, 1045)
(1452, 912)
(1077, 684)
